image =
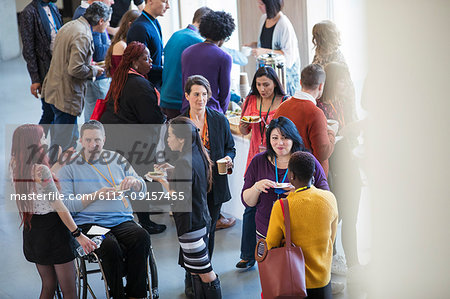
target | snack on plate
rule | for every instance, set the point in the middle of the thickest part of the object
(251, 119)
(155, 173)
(282, 185)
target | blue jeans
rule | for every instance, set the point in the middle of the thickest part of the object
(94, 91)
(293, 79)
(248, 241)
(65, 129)
(47, 116)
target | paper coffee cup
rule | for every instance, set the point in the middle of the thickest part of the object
(243, 79)
(246, 50)
(222, 166)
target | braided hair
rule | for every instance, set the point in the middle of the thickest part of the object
(133, 51)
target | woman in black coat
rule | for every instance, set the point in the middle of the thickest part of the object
(216, 136)
(190, 181)
(133, 100)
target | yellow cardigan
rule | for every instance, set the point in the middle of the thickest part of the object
(314, 219)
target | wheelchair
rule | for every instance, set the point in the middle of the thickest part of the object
(82, 275)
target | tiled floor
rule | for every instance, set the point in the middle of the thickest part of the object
(19, 278)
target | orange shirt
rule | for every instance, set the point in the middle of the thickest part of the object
(312, 126)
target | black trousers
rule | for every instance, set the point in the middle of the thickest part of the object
(214, 212)
(320, 293)
(130, 242)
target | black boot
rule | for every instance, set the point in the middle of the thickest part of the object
(198, 287)
(188, 288)
(212, 289)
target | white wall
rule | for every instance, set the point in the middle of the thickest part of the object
(408, 147)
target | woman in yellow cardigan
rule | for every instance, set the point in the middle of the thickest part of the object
(314, 218)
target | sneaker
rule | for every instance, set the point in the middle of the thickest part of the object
(337, 287)
(245, 264)
(339, 266)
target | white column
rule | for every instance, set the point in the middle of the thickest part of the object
(9, 41)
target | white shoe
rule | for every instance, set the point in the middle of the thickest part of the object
(337, 287)
(339, 266)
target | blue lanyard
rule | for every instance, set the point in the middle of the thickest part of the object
(276, 172)
(53, 17)
(154, 26)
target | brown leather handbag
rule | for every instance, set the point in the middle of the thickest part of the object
(282, 269)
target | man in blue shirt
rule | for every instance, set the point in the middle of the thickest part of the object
(172, 90)
(147, 30)
(93, 184)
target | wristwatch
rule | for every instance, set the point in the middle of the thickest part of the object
(76, 233)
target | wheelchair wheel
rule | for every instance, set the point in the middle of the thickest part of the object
(153, 279)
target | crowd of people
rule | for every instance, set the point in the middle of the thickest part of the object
(110, 63)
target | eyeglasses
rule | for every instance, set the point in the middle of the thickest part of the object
(227, 39)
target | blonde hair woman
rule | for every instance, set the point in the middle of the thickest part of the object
(327, 40)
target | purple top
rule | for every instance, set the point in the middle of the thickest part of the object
(261, 168)
(214, 64)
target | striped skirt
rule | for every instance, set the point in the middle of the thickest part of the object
(194, 251)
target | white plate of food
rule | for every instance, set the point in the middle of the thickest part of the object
(251, 119)
(283, 185)
(154, 175)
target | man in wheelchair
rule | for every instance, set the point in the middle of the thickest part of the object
(95, 184)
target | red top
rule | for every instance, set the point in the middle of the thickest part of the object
(250, 109)
(115, 60)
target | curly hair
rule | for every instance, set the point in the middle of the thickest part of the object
(302, 165)
(217, 26)
(133, 51)
(326, 37)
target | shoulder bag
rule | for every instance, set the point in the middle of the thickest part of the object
(282, 269)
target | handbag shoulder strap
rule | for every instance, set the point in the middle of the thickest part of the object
(287, 220)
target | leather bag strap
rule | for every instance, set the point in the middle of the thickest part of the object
(287, 220)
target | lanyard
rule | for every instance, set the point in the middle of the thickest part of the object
(132, 71)
(339, 115)
(279, 191)
(276, 172)
(154, 26)
(262, 127)
(52, 25)
(113, 184)
(302, 189)
(205, 129)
